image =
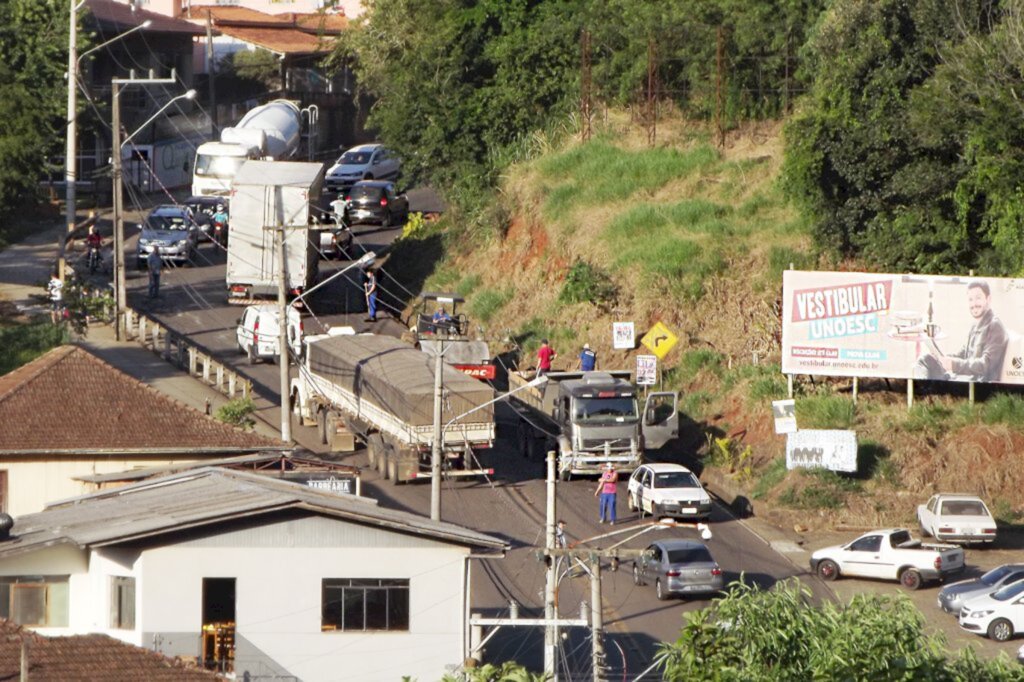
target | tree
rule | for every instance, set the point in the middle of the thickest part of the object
(33, 42)
(754, 634)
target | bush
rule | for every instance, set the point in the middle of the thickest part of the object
(1003, 408)
(22, 343)
(486, 304)
(697, 359)
(770, 476)
(587, 283)
(825, 412)
(237, 412)
(825, 490)
(695, 404)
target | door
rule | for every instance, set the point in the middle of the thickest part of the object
(651, 562)
(644, 491)
(660, 419)
(863, 557)
(218, 625)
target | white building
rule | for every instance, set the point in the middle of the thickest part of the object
(250, 574)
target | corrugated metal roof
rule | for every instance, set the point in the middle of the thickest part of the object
(203, 499)
(253, 461)
(283, 173)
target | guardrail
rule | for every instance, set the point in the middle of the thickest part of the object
(179, 351)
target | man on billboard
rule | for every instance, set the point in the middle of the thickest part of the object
(981, 358)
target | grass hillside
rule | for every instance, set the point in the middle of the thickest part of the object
(697, 237)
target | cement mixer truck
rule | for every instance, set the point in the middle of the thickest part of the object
(271, 131)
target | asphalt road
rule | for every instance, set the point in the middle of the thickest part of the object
(512, 505)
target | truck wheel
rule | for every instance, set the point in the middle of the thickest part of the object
(321, 425)
(828, 570)
(331, 427)
(382, 463)
(393, 471)
(910, 579)
(1000, 630)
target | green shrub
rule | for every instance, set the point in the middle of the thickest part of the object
(469, 284)
(586, 283)
(237, 412)
(826, 490)
(22, 343)
(485, 304)
(930, 418)
(825, 412)
(694, 404)
(781, 257)
(693, 361)
(770, 387)
(1003, 408)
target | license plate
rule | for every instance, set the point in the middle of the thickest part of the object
(689, 510)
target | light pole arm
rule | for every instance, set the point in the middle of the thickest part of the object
(188, 95)
(366, 258)
(530, 384)
(144, 25)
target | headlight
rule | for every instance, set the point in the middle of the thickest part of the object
(981, 614)
(182, 242)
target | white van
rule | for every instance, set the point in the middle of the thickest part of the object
(258, 332)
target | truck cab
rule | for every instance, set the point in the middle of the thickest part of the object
(598, 419)
(216, 164)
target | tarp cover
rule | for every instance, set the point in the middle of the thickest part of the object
(395, 376)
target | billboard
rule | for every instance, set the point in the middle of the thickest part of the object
(822, 449)
(903, 326)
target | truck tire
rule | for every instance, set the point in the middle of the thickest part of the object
(911, 579)
(393, 470)
(376, 453)
(1000, 630)
(828, 570)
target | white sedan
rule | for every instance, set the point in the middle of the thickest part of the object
(957, 518)
(999, 615)
(668, 490)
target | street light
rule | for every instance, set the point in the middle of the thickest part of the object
(71, 149)
(120, 295)
(438, 444)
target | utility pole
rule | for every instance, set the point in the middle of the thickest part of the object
(596, 620)
(550, 603)
(120, 294)
(210, 72)
(71, 150)
(282, 339)
(438, 445)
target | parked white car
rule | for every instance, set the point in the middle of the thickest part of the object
(890, 554)
(365, 162)
(668, 490)
(258, 332)
(999, 615)
(957, 518)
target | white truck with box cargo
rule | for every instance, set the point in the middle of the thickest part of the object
(271, 131)
(381, 390)
(594, 417)
(267, 194)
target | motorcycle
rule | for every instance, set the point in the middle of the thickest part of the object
(95, 259)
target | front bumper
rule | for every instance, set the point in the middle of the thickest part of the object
(684, 509)
(167, 252)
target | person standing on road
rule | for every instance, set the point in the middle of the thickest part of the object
(588, 359)
(154, 262)
(55, 290)
(370, 287)
(607, 487)
(561, 542)
(545, 354)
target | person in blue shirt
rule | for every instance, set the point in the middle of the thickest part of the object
(588, 359)
(442, 320)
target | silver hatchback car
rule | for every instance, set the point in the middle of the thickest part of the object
(952, 597)
(679, 567)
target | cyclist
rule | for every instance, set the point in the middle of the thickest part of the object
(93, 243)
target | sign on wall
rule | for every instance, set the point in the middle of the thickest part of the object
(903, 326)
(623, 336)
(784, 412)
(646, 370)
(822, 449)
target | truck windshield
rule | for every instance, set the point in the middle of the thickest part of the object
(604, 409)
(218, 166)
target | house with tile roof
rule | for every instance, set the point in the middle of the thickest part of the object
(69, 414)
(26, 655)
(259, 577)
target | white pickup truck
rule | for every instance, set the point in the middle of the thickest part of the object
(890, 554)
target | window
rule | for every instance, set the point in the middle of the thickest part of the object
(358, 604)
(35, 600)
(122, 602)
(871, 543)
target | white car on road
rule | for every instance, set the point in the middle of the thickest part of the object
(999, 615)
(668, 490)
(957, 518)
(365, 162)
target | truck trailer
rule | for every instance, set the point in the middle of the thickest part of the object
(265, 195)
(381, 390)
(591, 418)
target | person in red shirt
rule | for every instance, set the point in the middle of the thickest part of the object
(607, 488)
(544, 357)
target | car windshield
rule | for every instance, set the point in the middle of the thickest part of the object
(165, 222)
(995, 575)
(218, 166)
(604, 409)
(355, 158)
(1009, 592)
(692, 555)
(675, 479)
(964, 508)
(365, 193)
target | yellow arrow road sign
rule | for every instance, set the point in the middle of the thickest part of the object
(660, 340)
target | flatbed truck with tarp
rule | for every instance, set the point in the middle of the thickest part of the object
(382, 391)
